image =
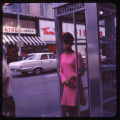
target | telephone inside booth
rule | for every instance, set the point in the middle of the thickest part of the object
(94, 29)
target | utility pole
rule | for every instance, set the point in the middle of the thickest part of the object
(19, 41)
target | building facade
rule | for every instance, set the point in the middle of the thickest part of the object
(44, 10)
(38, 20)
(29, 16)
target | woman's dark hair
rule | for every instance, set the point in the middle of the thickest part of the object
(67, 38)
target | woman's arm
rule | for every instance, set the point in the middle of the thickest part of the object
(64, 80)
(62, 76)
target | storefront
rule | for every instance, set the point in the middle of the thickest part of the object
(47, 33)
(30, 40)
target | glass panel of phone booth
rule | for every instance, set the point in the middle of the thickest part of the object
(107, 46)
(80, 46)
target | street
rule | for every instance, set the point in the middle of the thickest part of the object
(37, 96)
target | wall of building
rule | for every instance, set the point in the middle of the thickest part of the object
(34, 9)
(25, 8)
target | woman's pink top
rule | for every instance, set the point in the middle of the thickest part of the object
(68, 69)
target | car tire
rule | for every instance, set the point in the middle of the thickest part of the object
(24, 73)
(37, 71)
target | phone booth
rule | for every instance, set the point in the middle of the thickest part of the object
(93, 26)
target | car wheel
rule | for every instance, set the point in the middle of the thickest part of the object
(24, 73)
(37, 71)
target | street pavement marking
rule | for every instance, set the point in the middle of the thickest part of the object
(51, 75)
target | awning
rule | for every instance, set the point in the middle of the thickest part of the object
(27, 40)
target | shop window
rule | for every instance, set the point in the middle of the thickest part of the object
(12, 51)
(23, 23)
(10, 22)
(27, 24)
(52, 48)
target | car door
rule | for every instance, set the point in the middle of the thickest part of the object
(45, 62)
(53, 61)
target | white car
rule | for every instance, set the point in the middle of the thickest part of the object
(36, 63)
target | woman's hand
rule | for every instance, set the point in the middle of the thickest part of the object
(72, 78)
(66, 82)
(70, 82)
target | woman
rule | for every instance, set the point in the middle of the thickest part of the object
(68, 77)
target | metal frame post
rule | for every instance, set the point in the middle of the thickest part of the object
(18, 17)
(58, 33)
(95, 82)
(76, 57)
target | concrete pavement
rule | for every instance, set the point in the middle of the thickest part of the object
(29, 102)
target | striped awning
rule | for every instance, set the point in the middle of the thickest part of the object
(27, 40)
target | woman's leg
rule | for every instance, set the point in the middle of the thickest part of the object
(63, 111)
(73, 111)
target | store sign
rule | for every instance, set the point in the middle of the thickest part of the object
(47, 30)
(70, 7)
(8, 29)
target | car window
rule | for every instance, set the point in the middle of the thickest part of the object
(44, 57)
(29, 57)
(52, 56)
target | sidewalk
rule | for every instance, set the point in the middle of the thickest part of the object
(35, 106)
(109, 108)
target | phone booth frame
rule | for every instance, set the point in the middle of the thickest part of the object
(92, 36)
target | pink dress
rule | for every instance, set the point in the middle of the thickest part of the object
(68, 69)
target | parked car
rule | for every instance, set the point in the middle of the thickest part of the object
(36, 63)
